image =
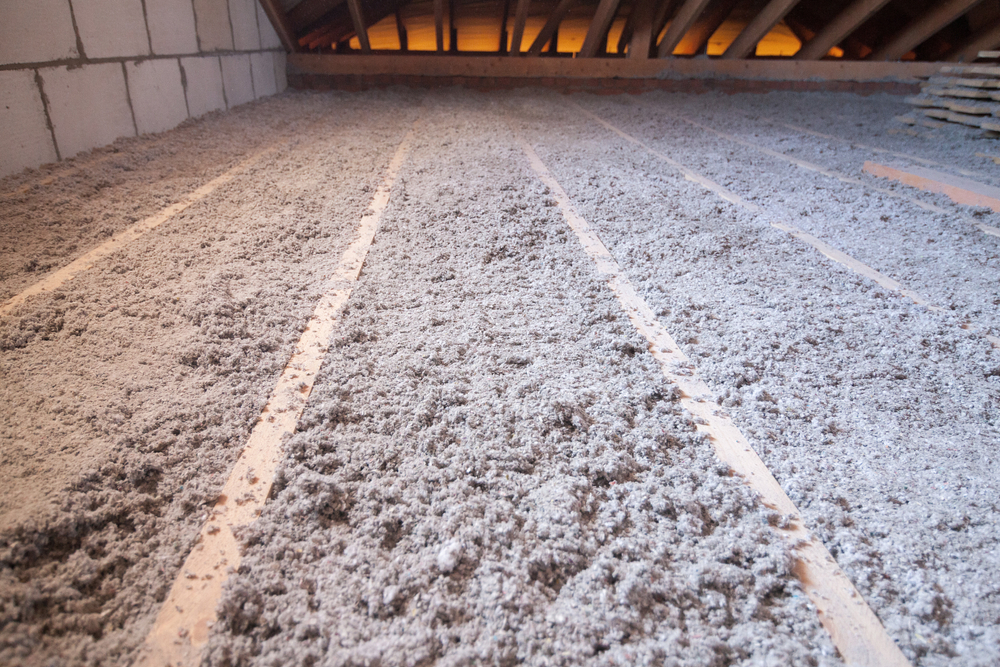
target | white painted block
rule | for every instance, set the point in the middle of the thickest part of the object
(203, 79)
(268, 37)
(280, 71)
(157, 94)
(237, 79)
(111, 28)
(243, 14)
(36, 31)
(88, 106)
(25, 140)
(262, 67)
(171, 26)
(212, 20)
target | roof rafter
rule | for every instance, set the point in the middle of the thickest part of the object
(520, 17)
(642, 30)
(599, 25)
(922, 28)
(837, 30)
(550, 27)
(682, 21)
(714, 16)
(279, 19)
(358, 18)
(984, 40)
(767, 18)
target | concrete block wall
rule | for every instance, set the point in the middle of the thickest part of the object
(78, 74)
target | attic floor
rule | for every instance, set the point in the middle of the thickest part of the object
(491, 467)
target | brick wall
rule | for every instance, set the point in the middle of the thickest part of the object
(77, 74)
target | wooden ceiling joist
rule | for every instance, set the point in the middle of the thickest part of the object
(984, 40)
(837, 30)
(550, 27)
(599, 25)
(682, 21)
(922, 28)
(746, 43)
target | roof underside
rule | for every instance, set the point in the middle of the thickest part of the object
(880, 30)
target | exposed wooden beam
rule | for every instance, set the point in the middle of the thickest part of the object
(452, 30)
(319, 38)
(279, 19)
(626, 36)
(684, 19)
(358, 17)
(598, 31)
(309, 14)
(664, 11)
(714, 15)
(404, 41)
(920, 29)
(439, 24)
(837, 30)
(745, 44)
(760, 69)
(505, 15)
(988, 38)
(550, 27)
(642, 30)
(520, 17)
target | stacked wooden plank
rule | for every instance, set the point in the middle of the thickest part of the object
(967, 95)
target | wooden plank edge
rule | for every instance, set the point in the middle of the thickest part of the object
(957, 194)
(183, 625)
(431, 65)
(855, 630)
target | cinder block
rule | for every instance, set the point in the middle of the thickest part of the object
(212, 21)
(111, 28)
(237, 79)
(88, 106)
(37, 31)
(157, 94)
(268, 37)
(171, 26)
(262, 67)
(243, 14)
(280, 71)
(203, 84)
(25, 140)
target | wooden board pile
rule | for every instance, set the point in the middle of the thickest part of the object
(967, 95)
